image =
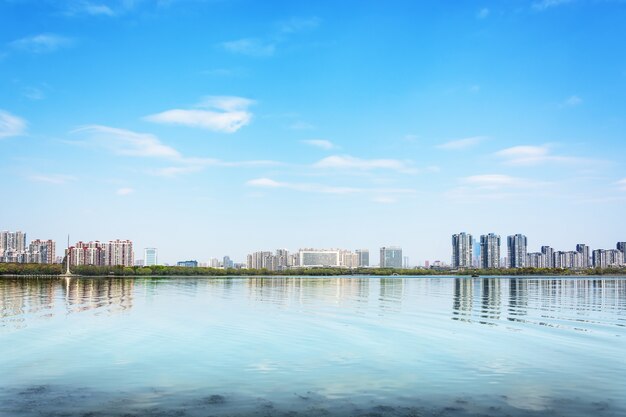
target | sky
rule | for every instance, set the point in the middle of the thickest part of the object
(212, 128)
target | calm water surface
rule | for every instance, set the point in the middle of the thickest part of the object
(292, 346)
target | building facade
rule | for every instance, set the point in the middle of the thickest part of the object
(517, 251)
(490, 251)
(150, 256)
(462, 248)
(364, 257)
(390, 257)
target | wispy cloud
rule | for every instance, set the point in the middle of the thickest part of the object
(217, 113)
(320, 143)
(128, 143)
(84, 7)
(323, 189)
(622, 184)
(11, 125)
(534, 155)
(547, 4)
(493, 181)
(300, 125)
(350, 162)
(56, 179)
(266, 46)
(572, 101)
(493, 187)
(124, 191)
(295, 24)
(460, 144)
(41, 43)
(34, 93)
(251, 47)
(482, 13)
(146, 145)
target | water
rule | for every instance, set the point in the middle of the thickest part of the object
(292, 346)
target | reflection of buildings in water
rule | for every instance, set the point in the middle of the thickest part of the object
(283, 290)
(391, 291)
(463, 301)
(491, 298)
(518, 298)
(26, 295)
(112, 294)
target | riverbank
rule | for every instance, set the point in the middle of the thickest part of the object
(8, 269)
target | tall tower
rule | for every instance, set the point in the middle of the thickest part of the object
(517, 250)
(490, 251)
(462, 250)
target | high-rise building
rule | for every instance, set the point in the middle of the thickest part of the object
(391, 257)
(462, 250)
(348, 259)
(227, 262)
(490, 251)
(548, 252)
(516, 251)
(583, 250)
(536, 260)
(318, 258)
(610, 258)
(621, 246)
(364, 257)
(42, 251)
(187, 264)
(13, 247)
(119, 252)
(150, 256)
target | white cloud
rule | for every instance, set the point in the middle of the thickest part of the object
(572, 101)
(482, 13)
(546, 4)
(217, 113)
(295, 25)
(129, 143)
(384, 200)
(459, 144)
(42, 43)
(300, 125)
(56, 179)
(304, 187)
(534, 155)
(494, 187)
(34, 93)
(350, 162)
(124, 191)
(11, 125)
(622, 184)
(323, 189)
(320, 143)
(250, 47)
(497, 181)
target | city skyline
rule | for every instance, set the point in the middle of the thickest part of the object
(202, 128)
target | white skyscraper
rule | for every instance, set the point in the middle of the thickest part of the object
(150, 256)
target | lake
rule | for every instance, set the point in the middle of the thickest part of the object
(313, 346)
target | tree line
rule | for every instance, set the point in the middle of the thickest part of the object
(162, 270)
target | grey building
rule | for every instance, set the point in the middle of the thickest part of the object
(391, 257)
(549, 254)
(490, 251)
(364, 257)
(583, 250)
(517, 250)
(462, 245)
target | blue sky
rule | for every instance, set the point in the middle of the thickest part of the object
(207, 128)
